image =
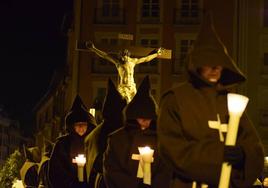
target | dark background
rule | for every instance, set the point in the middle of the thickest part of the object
(32, 45)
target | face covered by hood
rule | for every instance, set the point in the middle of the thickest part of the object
(143, 104)
(208, 50)
(79, 113)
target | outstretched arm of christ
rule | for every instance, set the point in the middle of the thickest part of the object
(100, 53)
(150, 57)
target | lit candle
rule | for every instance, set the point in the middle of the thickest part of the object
(92, 111)
(236, 106)
(146, 156)
(80, 160)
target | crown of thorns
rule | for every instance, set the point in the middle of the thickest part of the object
(124, 52)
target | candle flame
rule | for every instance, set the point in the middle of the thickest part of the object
(80, 159)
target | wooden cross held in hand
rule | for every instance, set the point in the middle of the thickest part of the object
(124, 63)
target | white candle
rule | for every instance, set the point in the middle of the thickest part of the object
(146, 155)
(92, 111)
(80, 160)
(236, 106)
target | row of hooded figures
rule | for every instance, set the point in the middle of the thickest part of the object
(178, 145)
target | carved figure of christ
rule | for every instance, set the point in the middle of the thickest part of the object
(125, 66)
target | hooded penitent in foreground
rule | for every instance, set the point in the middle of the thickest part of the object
(189, 145)
(96, 141)
(62, 170)
(139, 130)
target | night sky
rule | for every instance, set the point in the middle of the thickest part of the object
(33, 45)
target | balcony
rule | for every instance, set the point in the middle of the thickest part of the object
(110, 16)
(187, 17)
(150, 19)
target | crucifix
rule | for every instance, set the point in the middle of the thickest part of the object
(124, 63)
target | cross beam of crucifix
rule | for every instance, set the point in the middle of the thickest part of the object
(135, 50)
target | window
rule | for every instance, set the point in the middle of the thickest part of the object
(264, 118)
(189, 8)
(112, 41)
(110, 8)
(265, 13)
(152, 66)
(264, 66)
(150, 11)
(265, 59)
(101, 65)
(188, 12)
(108, 41)
(110, 12)
(149, 43)
(183, 48)
(150, 8)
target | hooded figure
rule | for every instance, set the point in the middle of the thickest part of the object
(62, 170)
(28, 172)
(43, 178)
(187, 142)
(96, 141)
(139, 130)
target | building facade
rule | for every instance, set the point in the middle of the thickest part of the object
(10, 136)
(171, 24)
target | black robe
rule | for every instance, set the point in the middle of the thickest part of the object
(96, 141)
(186, 142)
(120, 170)
(29, 174)
(43, 178)
(62, 171)
(192, 148)
(95, 145)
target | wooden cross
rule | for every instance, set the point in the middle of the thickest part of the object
(125, 64)
(135, 50)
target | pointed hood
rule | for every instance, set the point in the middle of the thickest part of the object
(47, 147)
(209, 50)
(77, 103)
(32, 154)
(143, 104)
(28, 171)
(113, 104)
(79, 113)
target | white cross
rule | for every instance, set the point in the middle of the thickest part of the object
(217, 125)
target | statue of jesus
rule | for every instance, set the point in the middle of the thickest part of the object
(125, 66)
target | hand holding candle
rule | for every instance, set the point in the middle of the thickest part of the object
(80, 160)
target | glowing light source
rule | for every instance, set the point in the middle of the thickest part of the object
(236, 106)
(80, 160)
